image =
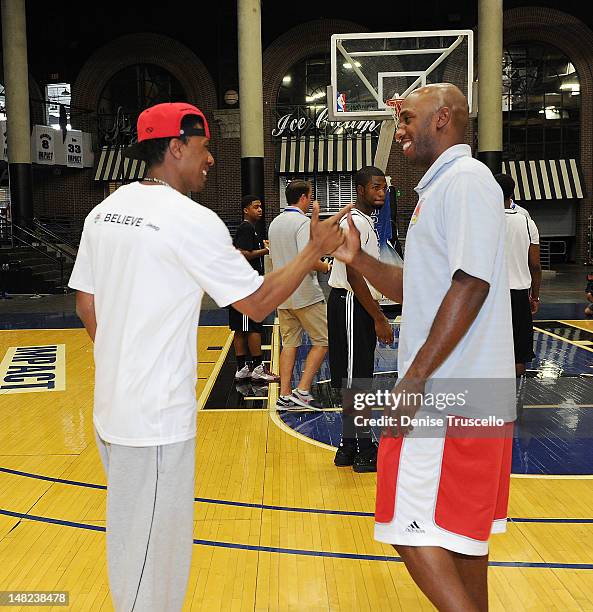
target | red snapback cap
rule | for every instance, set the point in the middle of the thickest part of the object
(164, 121)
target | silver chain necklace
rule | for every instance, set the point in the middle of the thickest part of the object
(150, 179)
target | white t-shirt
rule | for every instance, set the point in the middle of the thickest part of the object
(521, 232)
(458, 224)
(523, 211)
(369, 243)
(148, 254)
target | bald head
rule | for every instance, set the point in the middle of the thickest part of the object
(432, 119)
(446, 96)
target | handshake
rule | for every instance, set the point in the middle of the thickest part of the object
(328, 261)
(328, 237)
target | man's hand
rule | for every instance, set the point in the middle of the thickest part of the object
(383, 329)
(407, 396)
(327, 236)
(266, 244)
(351, 246)
(534, 303)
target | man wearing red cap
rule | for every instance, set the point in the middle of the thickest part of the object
(147, 255)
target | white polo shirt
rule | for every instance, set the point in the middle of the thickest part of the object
(458, 224)
(369, 243)
(148, 254)
(521, 232)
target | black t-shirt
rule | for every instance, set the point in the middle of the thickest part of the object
(246, 239)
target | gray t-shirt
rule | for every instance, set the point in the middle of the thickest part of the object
(288, 235)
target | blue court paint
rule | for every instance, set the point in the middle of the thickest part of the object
(297, 551)
(550, 441)
(568, 311)
(43, 519)
(50, 479)
(69, 320)
(59, 320)
(556, 357)
(554, 441)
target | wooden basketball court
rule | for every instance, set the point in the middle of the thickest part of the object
(277, 526)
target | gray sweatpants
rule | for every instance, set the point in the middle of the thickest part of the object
(150, 511)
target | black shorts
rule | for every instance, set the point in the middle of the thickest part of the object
(522, 325)
(351, 339)
(239, 322)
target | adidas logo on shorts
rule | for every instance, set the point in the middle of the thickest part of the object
(414, 528)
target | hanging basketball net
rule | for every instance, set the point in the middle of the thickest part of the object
(395, 106)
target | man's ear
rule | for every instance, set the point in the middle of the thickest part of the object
(175, 147)
(443, 117)
(359, 190)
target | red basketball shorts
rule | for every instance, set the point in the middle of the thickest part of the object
(450, 491)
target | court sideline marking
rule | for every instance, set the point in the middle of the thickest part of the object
(225, 502)
(299, 551)
(215, 371)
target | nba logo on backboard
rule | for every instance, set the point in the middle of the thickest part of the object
(341, 102)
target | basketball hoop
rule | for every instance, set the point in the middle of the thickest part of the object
(395, 106)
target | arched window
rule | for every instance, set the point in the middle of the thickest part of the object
(127, 94)
(305, 83)
(541, 103)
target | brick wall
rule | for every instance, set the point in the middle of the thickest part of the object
(71, 192)
(228, 161)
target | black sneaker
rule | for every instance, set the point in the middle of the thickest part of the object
(366, 460)
(286, 403)
(345, 455)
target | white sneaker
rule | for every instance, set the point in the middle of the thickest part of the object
(306, 400)
(262, 373)
(243, 373)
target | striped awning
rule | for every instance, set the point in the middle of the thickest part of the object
(546, 179)
(113, 167)
(341, 153)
